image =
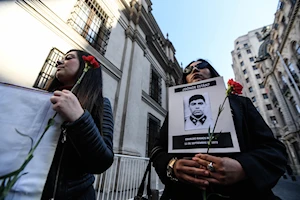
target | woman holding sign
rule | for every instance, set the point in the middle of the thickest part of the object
(249, 174)
(85, 146)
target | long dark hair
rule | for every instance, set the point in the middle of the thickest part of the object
(213, 72)
(89, 91)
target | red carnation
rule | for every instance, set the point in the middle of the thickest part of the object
(91, 61)
(234, 87)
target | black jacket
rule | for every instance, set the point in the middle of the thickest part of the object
(262, 157)
(84, 153)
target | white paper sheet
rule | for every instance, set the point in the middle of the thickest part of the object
(188, 135)
(28, 111)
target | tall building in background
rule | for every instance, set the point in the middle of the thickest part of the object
(279, 59)
(250, 76)
(267, 63)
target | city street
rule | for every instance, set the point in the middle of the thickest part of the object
(287, 189)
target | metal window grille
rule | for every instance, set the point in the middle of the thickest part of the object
(153, 131)
(49, 68)
(155, 86)
(92, 23)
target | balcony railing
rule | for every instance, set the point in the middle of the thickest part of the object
(122, 179)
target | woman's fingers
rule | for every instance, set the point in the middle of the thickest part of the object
(227, 171)
(57, 93)
(53, 99)
(189, 171)
(67, 105)
(208, 157)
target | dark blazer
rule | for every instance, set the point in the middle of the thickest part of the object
(84, 153)
(262, 157)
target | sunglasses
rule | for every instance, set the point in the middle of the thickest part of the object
(190, 68)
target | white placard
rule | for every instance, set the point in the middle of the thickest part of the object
(28, 111)
(193, 108)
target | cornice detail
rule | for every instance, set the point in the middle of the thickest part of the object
(148, 100)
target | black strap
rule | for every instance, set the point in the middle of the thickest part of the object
(142, 185)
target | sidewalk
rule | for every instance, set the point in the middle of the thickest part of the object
(287, 189)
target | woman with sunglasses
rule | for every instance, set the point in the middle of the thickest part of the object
(250, 174)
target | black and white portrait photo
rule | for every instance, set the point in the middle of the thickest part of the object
(197, 112)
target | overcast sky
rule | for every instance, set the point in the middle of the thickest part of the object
(207, 28)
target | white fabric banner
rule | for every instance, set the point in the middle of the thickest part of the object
(28, 111)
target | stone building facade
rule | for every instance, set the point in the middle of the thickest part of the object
(250, 76)
(138, 62)
(278, 59)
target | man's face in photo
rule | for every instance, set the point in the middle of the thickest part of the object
(197, 107)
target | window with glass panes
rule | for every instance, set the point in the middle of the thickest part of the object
(265, 96)
(155, 86)
(269, 106)
(92, 23)
(49, 68)
(153, 131)
(261, 85)
(273, 119)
